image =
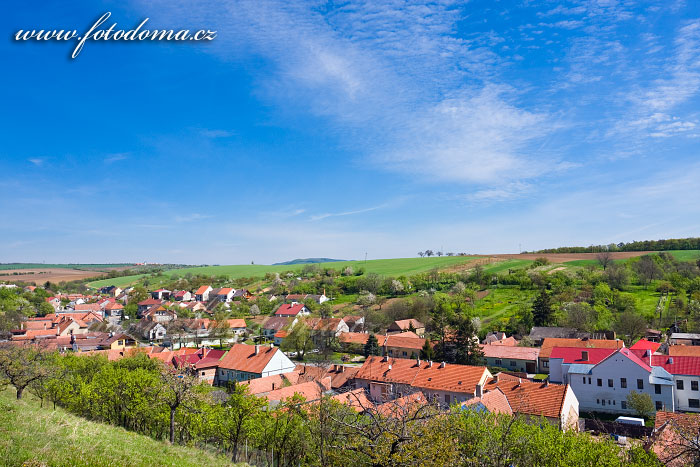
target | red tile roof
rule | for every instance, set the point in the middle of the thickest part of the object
(450, 377)
(202, 290)
(225, 291)
(550, 342)
(684, 350)
(310, 391)
(529, 398)
(242, 357)
(289, 309)
(271, 383)
(357, 399)
(88, 307)
(643, 344)
(495, 401)
(677, 365)
(575, 354)
(403, 341)
(150, 301)
(506, 351)
(353, 338)
(405, 324)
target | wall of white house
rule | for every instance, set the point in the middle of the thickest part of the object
(279, 363)
(687, 392)
(602, 390)
(512, 364)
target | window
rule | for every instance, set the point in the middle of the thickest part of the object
(610, 383)
(584, 380)
(657, 389)
(545, 363)
(614, 403)
(589, 380)
(600, 382)
(623, 382)
(659, 405)
(405, 354)
(640, 384)
(447, 398)
(694, 403)
(694, 385)
(498, 361)
(512, 363)
(603, 402)
(597, 401)
(623, 404)
(679, 384)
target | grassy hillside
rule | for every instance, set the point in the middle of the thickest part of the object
(30, 435)
(389, 267)
(10, 266)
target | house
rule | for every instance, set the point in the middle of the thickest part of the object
(555, 402)
(684, 351)
(242, 294)
(561, 359)
(292, 310)
(114, 309)
(111, 290)
(276, 323)
(237, 325)
(604, 386)
(117, 341)
(88, 307)
(643, 344)
(549, 343)
(159, 314)
(55, 302)
(539, 333)
(341, 376)
(386, 378)
(403, 345)
(407, 325)
(224, 294)
(161, 294)
(355, 323)
(310, 391)
(494, 401)
(684, 338)
(202, 293)
(675, 438)
(353, 342)
(182, 296)
(149, 330)
(207, 366)
(245, 362)
(146, 304)
(521, 359)
(686, 379)
(271, 383)
(324, 330)
(499, 338)
(279, 337)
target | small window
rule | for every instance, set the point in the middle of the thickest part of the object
(614, 403)
(610, 383)
(512, 363)
(679, 384)
(657, 389)
(694, 403)
(603, 402)
(623, 382)
(659, 405)
(600, 382)
(640, 384)
(694, 385)
(584, 380)
(623, 405)
(405, 354)
(447, 398)
(597, 401)
(498, 361)
(545, 363)
(589, 380)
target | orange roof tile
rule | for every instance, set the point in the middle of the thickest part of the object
(495, 401)
(550, 342)
(530, 398)
(310, 391)
(353, 338)
(242, 357)
(684, 351)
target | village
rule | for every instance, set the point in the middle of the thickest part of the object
(576, 380)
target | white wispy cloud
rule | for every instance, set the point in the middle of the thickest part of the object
(318, 217)
(212, 133)
(37, 161)
(112, 158)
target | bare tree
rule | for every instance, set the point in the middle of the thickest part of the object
(421, 253)
(21, 365)
(604, 259)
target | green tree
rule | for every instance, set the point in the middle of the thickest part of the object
(542, 309)
(298, 339)
(372, 346)
(22, 365)
(427, 353)
(641, 403)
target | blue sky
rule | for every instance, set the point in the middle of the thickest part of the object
(335, 129)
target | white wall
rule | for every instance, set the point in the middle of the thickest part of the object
(683, 395)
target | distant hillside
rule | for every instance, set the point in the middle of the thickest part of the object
(308, 261)
(691, 243)
(43, 436)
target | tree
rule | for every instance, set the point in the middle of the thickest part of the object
(220, 328)
(542, 309)
(298, 340)
(176, 392)
(580, 316)
(647, 270)
(427, 353)
(325, 310)
(254, 310)
(396, 287)
(632, 325)
(372, 346)
(237, 418)
(429, 253)
(617, 276)
(604, 258)
(641, 403)
(22, 365)
(421, 253)
(467, 350)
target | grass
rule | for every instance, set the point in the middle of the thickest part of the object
(31, 435)
(504, 266)
(685, 255)
(9, 266)
(385, 267)
(501, 303)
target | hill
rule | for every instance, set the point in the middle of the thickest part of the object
(308, 261)
(42, 436)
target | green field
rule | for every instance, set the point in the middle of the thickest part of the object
(385, 267)
(31, 435)
(685, 255)
(501, 303)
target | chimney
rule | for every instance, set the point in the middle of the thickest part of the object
(479, 390)
(546, 382)
(385, 358)
(257, 349)
(520, 381)
(418, 361)
(495, 378)
(272, 345)
(584, 355)
(670, 360)
(273, 386)
(442, 364)
(390, 367)
(430, 364)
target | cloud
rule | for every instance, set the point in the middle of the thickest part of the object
(217, 133)
(194, 217)
(37, 161)
(319, 217)
(112, 158)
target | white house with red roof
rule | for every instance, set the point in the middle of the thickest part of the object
(161, 294)
(202, 293)
(562, 358)
(292, 310)
(686, 377)
(604, 386)
(182, 296)
(245, 362)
